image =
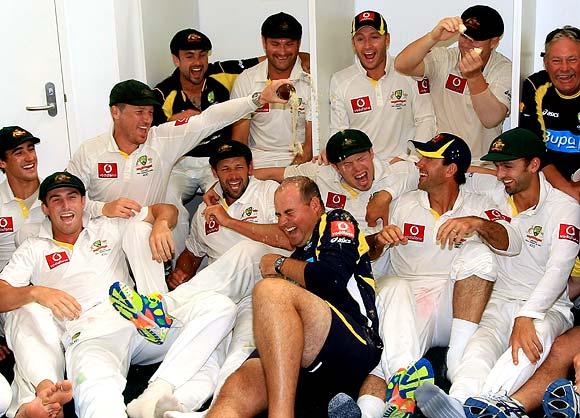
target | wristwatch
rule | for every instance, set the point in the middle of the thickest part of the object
(278, 264)
(256, 99)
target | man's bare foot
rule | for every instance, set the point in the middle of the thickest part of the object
(48, 402)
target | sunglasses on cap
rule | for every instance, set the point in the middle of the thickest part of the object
(568, 31)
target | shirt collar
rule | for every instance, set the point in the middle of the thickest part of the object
(363, 71)
(296, 74)
(243, 199)
(46, 226)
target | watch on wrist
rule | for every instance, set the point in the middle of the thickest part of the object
(278, 264)
(256, 99)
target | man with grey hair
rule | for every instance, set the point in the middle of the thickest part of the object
(549, 107)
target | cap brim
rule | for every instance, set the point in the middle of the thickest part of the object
(418, 145)
(495, 156)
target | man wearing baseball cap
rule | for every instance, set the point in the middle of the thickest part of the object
(276, 137)
(439, 275)
(549, 106)
(371, 96)
(470, 84)
(130, 165)
(529, 306)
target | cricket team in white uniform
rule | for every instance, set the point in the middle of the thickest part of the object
(211, 334)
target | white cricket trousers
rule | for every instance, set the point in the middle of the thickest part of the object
(106, 344)
(487, 366)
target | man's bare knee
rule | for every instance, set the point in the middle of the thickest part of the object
(375, 386)
(567, 344)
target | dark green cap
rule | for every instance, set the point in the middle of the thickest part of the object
(345, 143)
(187, 40)
(515, 143)
(221, 149)
(13, 136)
(59, 180)
(133, 92)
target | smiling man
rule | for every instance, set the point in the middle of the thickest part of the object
(471, 83)
(269, 130)
(549, 107)
(370, 95)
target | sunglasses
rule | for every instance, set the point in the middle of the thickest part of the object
(569, 31)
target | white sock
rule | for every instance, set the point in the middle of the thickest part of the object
(434, 403)
(144, 405)
(461, 332)
(371, 406)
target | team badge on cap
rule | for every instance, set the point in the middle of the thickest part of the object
(17, 133)
(497, 145)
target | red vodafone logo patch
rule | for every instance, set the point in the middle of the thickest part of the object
(569, 232)
(56, 259)
(496, 215)
(366, 16)
(361, 104)
(414, 232)
(263, 109)
(108, 171)
(423, 86)
(182, 121)
(211, 227)
(341, 229)
(6, 224)
(455, 83)
(335, 201)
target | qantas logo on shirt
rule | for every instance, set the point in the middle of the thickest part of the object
(455, 83)
(6, 224)
(108, 171)
(414, 232)
(263, 109)
(423, 86)
(361, 104)
(335, 201)
(496, 215)
(569, 232)
(341, 229)
(182, 121)
(211, 227)
(56, 259)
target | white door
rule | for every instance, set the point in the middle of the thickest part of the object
(31, 71)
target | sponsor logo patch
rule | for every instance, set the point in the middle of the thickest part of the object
(423, 86)
(496, 215)
(569, 232)
(211, 227)
(414, 232)
(56, 259)
(108, 170)
(399, 99)
(182, 121)
(144, 165)
(100, 247)
(6, 224)
(335, 201)
(455, 83)
(263, 109)
(535, 236)
(361, 104)
(341, 229)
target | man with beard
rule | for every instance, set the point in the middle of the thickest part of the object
(269, 130)
(529, 306)
(471, 83)
(130, 165)
(371, 96)
(550, 107)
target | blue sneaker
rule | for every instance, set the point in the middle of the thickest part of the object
(501, 406)
(147, 313)
(401, 388)
(560, 400)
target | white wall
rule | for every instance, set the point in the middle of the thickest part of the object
(234, 26)
(129, 38)
(160, 23)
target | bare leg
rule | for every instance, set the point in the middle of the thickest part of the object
(556, 366)
(243, 394)
(290, 327)
(50, 398)
(375, 386)
(470, 296)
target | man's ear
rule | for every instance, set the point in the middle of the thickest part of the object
(175, 59)
(451, 169)
(44, 208)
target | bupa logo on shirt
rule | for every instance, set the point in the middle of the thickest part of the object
(335, 201)
(108, 170)
(361, 104)
(496, 215)
(455, 83)
(414, 232)
(423, 86)
(56, 259)
(6, 224)
(211, 226)
(341, 229)
(569, 232)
